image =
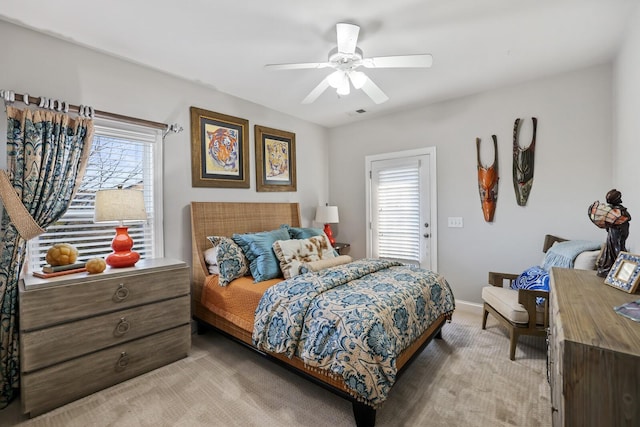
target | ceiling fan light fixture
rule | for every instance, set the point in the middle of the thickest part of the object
(344, 88)
(345, 58)
(358, 79)
(336, 78)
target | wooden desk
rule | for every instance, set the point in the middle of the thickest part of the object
(83, 332)
(594, 353)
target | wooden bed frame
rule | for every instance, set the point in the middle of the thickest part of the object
(226, 218)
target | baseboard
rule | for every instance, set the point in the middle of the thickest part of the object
(469, 307)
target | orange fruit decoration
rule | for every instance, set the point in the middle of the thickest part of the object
(95, 265)
(61, 254)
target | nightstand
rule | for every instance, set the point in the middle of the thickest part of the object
(342, 248)
(80, 333)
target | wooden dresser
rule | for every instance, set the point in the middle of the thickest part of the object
(594, 353)
(81, 333)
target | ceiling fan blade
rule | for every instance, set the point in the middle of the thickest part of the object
(298, 66)
(317, 91)
(374, 92)
(347, 37)
(399, 61)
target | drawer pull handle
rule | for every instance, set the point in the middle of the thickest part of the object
(123, 361)
(121, 293)
(122, 327)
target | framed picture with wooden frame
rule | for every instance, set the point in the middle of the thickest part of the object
(275, 159)
(625, 272)
(219, 150)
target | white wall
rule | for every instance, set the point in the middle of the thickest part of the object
(572, 169)
(45, 66)
(626, 154)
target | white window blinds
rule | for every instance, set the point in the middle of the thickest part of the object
(398, 193)
(121, 154)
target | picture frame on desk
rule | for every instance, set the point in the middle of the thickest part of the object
(625, 272)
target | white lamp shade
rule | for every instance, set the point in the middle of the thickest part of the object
(327, 214)
(119, 205)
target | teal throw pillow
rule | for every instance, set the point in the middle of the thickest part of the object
(302, 233)
(258, 247)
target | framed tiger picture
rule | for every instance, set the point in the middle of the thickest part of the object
(219, 150)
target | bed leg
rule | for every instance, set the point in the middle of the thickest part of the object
(365, 415)
(439, 334)
(201, 327)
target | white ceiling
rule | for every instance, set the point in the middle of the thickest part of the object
(477, 45)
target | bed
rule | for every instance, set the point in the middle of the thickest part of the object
(225, 307)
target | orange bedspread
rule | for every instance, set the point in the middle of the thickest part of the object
(237, 301)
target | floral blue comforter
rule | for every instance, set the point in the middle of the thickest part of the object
(352, 320)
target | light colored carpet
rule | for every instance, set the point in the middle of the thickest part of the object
(465, 379)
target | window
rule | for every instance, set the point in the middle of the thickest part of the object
(121, 154)
(398, 221)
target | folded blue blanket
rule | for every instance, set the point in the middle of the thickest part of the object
(563, 254)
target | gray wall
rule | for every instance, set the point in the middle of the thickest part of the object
(626, 154)
(572, 169)
(45, 66)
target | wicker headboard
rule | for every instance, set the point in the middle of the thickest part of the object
(226, 218)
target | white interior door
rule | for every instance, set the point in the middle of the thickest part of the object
(401, 214)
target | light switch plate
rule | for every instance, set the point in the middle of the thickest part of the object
(455, 222)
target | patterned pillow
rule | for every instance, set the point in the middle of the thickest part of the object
(305, 233)
(258, 249)
(534, 278)
(292, 254)
(232, 263)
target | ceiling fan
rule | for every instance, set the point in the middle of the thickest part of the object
(346, 58)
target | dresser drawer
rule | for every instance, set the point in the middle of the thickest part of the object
(54, 386)
(46, 347)
(99, 294)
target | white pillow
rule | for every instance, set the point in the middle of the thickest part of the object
(586, 260)
(306, 267)
(211, 259)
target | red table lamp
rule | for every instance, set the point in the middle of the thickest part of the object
(327, 215)
(120, 205)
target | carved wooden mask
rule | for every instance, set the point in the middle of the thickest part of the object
(488, 181)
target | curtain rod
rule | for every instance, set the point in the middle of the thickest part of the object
(56, 105)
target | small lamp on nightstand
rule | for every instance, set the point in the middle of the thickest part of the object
(327, 215)
(120, 205)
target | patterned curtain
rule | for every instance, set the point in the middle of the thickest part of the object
(47, 154)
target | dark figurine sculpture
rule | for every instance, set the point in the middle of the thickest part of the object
(615, 219)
